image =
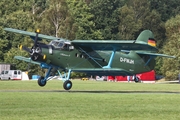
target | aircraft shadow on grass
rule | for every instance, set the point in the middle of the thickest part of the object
(97, 91)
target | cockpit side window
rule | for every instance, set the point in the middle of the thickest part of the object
(55, 44)
(61, 44)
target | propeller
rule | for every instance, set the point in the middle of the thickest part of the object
(35, 51)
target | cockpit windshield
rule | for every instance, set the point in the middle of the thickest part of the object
(61, 44)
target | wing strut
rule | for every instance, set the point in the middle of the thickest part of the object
(111, 59)
(90, 56)
(151, 57)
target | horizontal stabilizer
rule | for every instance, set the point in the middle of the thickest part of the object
(26, 59)
(156, 55)
(151, 54)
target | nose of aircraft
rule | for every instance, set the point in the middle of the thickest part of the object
(36, 50)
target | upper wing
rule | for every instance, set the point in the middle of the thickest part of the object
(103, 71)
(112, 44)
(26, 59)
(95, 44)
(32, 34)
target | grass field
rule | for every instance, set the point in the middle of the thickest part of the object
(89, 100)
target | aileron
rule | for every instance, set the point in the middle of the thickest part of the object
(103, 71)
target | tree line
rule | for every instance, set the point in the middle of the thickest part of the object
(92, 19)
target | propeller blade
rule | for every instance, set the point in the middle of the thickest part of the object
(36, 38)
(25, 48)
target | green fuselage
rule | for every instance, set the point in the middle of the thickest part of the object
(71, 59)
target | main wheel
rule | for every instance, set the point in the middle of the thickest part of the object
(41, 81)
(67, 85)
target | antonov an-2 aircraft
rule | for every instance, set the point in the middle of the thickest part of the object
(94, 57)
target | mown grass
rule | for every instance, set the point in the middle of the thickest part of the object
(87, 100)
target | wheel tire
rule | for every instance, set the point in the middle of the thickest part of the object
(41, 81)
(67, 85)
(136, 79)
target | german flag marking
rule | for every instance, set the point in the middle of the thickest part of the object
(152, 42)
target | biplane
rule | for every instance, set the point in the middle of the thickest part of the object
(93, 57)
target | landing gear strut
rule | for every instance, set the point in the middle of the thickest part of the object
(42, 80)
(67, 85)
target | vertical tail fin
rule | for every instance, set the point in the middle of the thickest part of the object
(146, 37)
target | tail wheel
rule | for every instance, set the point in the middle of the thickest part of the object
(67, 85)
(136, 79)
(41, 81)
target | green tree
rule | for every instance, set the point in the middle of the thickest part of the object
(14, 14)
(128, 25)
(36, 9)
(83, 20)
(17, 14)
(137, 16)
(150, 19)
(4, 44)
(56, 20)
(170, 67)
(167, 8)
(9, 58)
(19, 20)
(106, 16)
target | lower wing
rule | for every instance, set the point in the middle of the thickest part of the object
(26, 59)
(103, 71)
